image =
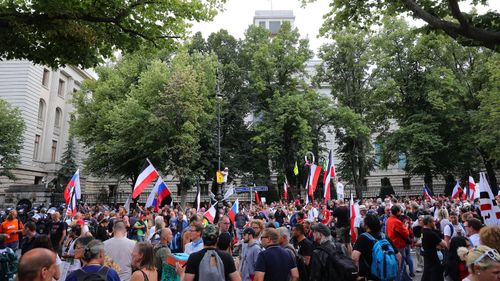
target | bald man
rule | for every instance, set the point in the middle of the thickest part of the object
(161, 251)
(37, 265)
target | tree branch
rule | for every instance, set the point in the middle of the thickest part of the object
(455, 11)
(489, 39)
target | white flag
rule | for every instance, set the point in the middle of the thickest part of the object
(488, 205)
(127, 204)
(229, 192)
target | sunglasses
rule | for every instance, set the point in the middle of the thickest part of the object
(492, 254)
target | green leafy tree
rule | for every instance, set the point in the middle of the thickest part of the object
(42, 31)
(11, 138)
(68, 167)
(469, 29)
(360, 108)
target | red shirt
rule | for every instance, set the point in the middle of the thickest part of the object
(326, 215)
(397, 232)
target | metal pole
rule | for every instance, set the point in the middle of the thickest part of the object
(219, 98)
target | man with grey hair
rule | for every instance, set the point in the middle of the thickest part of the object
(284, 240)
(119, 249)
(161, 250)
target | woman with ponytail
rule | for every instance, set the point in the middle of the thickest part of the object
(482, 262)
(93, 257)
(456, 269)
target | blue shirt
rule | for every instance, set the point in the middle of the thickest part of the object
(112, 274)
(276, 263)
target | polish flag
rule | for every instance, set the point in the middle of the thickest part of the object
(73, 185)
(354, 214)
(472, 189)
(233, 211)
(285, 189)
(328, 175)
(148, 175)
(210, 213)
(313, 178)
(457, 190)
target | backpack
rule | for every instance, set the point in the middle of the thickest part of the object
(100, 275)
(384, 264)
(301, 264)
(339, 266)
(210, 271)
(8, 265)
(155, 239)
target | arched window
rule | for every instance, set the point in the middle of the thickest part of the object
(41, 110)
(57, 121)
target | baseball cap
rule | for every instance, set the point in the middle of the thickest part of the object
(321, 228)
(210, 233)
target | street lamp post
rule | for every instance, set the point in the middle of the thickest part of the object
(219, 101)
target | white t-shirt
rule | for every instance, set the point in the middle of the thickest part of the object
(313, 214)
(458, 230)
(120, 251)
(474, 240)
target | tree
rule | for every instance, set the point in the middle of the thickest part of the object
(68, 167)
(469, 29)
(12, 128)
(360, 108)
(144, 107)
(82, 33)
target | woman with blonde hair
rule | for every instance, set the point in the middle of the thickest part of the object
(142, 260)
(490, 236)
(482, 262)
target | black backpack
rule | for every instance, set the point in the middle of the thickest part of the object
(100, 275)
(339, 266)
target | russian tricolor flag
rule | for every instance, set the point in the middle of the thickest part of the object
(160, 191)
(233, 211)
(73, 186)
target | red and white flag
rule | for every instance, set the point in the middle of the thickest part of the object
(73, 184)
(313, 179)
(457, 191)
(354, 214)
(210, 213)
(285, 189)
(257, 199)
(328, 175)
(147, 175)
(487, 203)
(71, 209)
(472, 189)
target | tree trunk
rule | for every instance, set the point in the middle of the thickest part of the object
(428, 180)
(491, 177)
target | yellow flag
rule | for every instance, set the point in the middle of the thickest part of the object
(220, 177)
(296, 169)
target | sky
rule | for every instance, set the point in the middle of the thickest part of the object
(238, 15)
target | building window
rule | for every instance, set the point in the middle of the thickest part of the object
(38, 180)
(402, 161)
(377, 157)
(45, 77)
(57, 120)
(274, 26)
(406, 183)
(53, 153)
(60, 90)
(41, 110)
(262, 24)
(36, 147)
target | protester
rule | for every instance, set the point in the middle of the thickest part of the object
(304, 245)
(37, 265)
(94, 257)
(29, 236)
(431, 242)
(161, 250)
(143, 262)
(482, 262)
(473, 226)
(57, 232)
(455, 268)
(119, 249)
(274, 263)
(490, 236)
(398, 232)
(195, 234)
(11, 227)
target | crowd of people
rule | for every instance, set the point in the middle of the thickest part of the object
(391, 239)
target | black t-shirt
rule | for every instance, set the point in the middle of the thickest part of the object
(306, 248)
(279, 216)
(430, 239)
(56, 232)
(417, 231)
(342, 215)
(194, 260)
(365, 246)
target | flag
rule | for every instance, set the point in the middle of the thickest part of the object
(145, 177)
(229, 192)
(257, 199)
(198, 197)
(210, 213)
(313, 178)
(285, 189)
(233, 211)
(159, 192)
(457, 191)
(472, 189)
(296, 169)
(487, 203)
(74, 183)
(340, 191)
(126, 206)
(427, 193)
(354, 214)
(328, 175)
(71, 210)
